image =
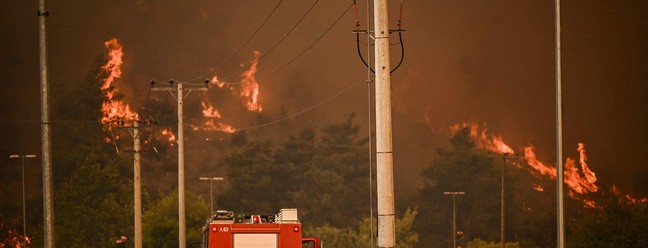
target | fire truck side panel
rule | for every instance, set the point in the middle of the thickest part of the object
(255, 235)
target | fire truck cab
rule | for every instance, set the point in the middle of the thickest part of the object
(280, 230)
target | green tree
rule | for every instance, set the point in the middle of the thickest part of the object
(463, 168)
(94, 206)
(359, 237)
(160, 221)
(616, 223)
(317, 173)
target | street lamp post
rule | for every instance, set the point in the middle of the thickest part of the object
(211, 190)
(22, 157)
(454, 216)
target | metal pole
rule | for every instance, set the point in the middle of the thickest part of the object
(24, 234)
(454, 216)
(22, 158)
(137, 185)
(181, 182)
(454, 222)
(502, 236)
(384, 152)
(211, 196)
(48, 209)
(559, 144)
(211, 189)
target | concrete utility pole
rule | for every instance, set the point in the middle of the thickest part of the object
(137, 185)
(211, 190)
(384, 151)
(182, 240)
(22, 157)
(133, 127)
(48, 209)
(559, 144)
(454, 216)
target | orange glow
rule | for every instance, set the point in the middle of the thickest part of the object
(490, 143)
(580, 184)
(589, 203)
(13, 238)
(211, 125)
(113, 67)
(580, 181)
(590, 176)
(250, 87)
(545, 170)
(218, 83)
(114, 109)
(169, 133)
(636, 200)
(209, 110)
(538, 188)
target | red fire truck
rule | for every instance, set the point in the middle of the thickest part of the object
(280, 230)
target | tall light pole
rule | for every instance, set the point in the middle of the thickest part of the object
(454, 216)
(211, 190)
(46, 134)
(502, 236)
(559, 145)
(22, 157)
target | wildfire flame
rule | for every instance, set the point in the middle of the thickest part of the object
(114, 109)
(12, 238)
(169, 133)
(580, 181)
(210, 112)
(217, 82)
(493, 143)
(211, 125)
(114, 64)
(250, 87)
(627, 197)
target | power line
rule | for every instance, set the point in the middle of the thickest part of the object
(302, 111)
(276, 44)
(241, 47)
(311, 45)
(304, 50)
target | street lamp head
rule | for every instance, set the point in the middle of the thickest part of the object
(454, 193)
(22, 156)
(211, 179)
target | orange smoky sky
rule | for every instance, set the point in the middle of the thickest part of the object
(465, 61)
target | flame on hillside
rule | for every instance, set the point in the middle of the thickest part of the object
(250, 87)
(209, 111)
(627, 198)
(580, 180)
(114, 109)
(169, 135)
